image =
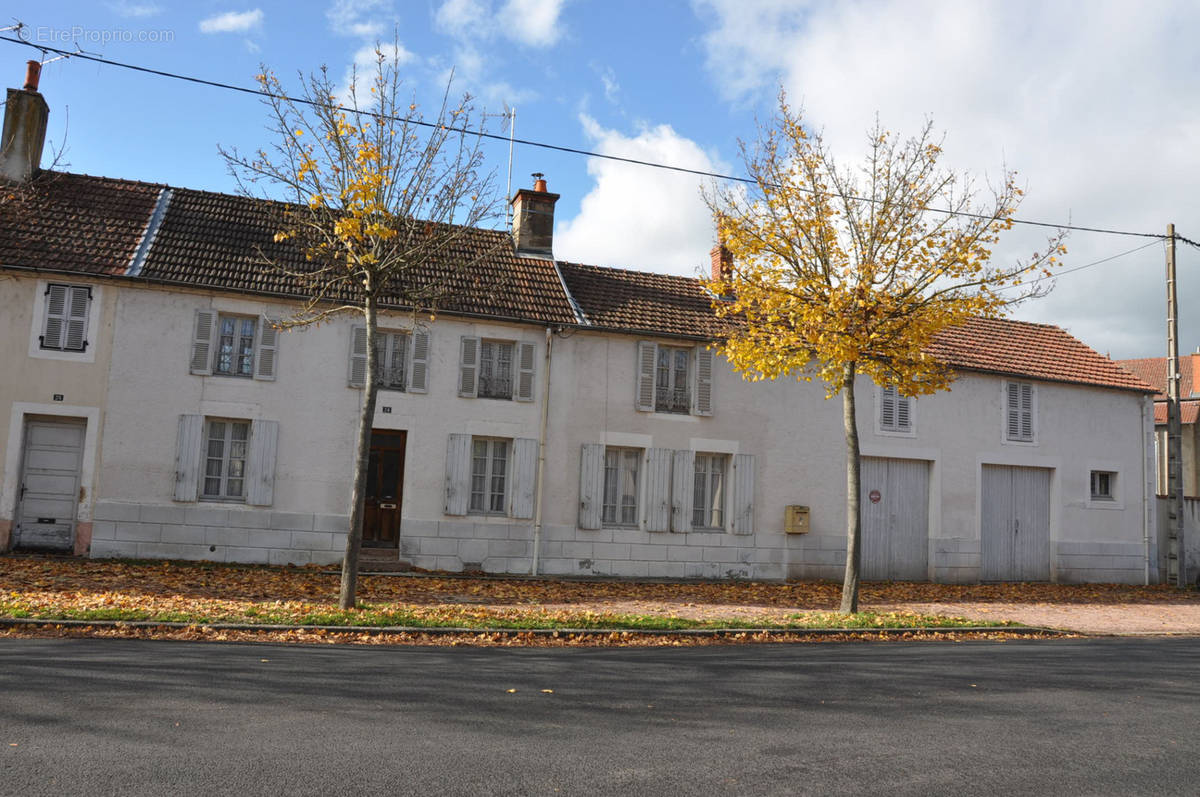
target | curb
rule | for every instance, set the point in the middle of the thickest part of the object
(18, 622)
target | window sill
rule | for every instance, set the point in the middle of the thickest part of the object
(212, 499)
(912, 433)
(1024, 443)
(1104, 503)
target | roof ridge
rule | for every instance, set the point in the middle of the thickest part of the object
(623, 270)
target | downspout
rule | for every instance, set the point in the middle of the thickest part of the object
(541, 469)
(1145, 473)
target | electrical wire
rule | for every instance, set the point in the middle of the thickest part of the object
(1058, 274)
(541, 144)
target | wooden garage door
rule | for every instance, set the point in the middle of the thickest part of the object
(49, 489)
(1015, 527)
(895, 518)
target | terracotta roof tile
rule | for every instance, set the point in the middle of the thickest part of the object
(1153, 371)
(75, 222)
(1036, 351)
(1189, 412)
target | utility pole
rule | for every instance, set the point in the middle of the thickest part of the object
(1177, 552)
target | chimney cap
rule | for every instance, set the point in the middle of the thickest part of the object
(539, 182)
(33, 72)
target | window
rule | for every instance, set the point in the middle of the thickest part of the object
(391, 360)
(64, 326)
(895, 411)
(708, 492)
(1019, 412)
(621, 467)
(401, 359)
(235, 346)
(674, 379)
(495, 369)
(226, 445)
(489, 475)
(1104, 484)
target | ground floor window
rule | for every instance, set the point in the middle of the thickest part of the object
(1104, 485)
(708, 492)
(621, 466)
(225, 459)
(489, 475)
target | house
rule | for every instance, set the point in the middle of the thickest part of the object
(1153, 371)
(555, 418)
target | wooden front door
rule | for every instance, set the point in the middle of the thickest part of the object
(385, 489)
(895, 519)
(49, 494)
(1015, 524)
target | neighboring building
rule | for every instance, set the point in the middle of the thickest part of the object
(1153, 371)
(187, 426)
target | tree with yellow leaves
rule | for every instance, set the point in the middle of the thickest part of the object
(377, 195)
(838, 273)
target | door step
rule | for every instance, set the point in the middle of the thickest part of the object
(381, 560)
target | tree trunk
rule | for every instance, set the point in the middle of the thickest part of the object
(853, 474)
(347, 596)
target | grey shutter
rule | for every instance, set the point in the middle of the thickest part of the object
(887, 408)
(188, 445)
(468, 367)
(1026, 411)
(525, 366)
(743, 494)
(658, 489)
(56, 312)
(458, 473)
(903, 413)
(265, 352)
(358, 357)
(202, 340)
(418, 368)
(524, 474)
(77, 318)
(644, 400)
(683, 488)
(260, 463)
(702, 395)
(591, 485)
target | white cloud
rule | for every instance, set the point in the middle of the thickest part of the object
(636, 217)
(233, 22)
(364, 19)
(533, 23)
(1096, 106)
(608, 79)
(125, 8)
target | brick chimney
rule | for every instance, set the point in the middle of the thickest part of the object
(24, 132)
(722, 263)
(533, 219)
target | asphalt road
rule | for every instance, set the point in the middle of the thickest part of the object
(128, 717)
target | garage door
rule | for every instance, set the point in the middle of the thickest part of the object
(1015, 528)
(49, 484)
(895, 518)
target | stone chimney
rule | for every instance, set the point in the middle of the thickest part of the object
(24, 133)
(533, 219)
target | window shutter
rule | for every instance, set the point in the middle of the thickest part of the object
(903, 413)
(468, 365)
(887, 408)
(358, 357)
(56, 312)
(202, 342)
(644, 400)
(524, 475)
(77, 318)
(458, 473)
(265, 352)
(702, 395)
(1026, 411)
(188, 446)
(418, 369)
(683, 488)
(1013, 411)
(658, 489)
(260, 463)
(743, 494)
(591, 485)
(525, 364)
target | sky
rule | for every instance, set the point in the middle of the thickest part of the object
(1095, 104)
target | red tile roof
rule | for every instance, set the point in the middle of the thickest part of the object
(1036, 351)
(1153, 371)
(1189, 412)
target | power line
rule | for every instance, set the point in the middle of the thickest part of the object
(1058, 274)
(539, 144)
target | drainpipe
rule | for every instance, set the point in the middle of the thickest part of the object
(541, 471)
(1145, 474)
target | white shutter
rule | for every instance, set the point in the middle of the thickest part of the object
(56, 316)
(468, 367)
(1013, 411)
(525, 367)
(644, 399)
(524, 474)
(260, 463)
(202, 340)
(743, 494)
(188, 446)
(1026, 411)
(265, 351)
(887, 408)
(358, 357)
(658, 489)
(591, 485)
(702, 395)
(903, 413)
(418, 369)
(458, 473)
(683, 488)
(77, 318)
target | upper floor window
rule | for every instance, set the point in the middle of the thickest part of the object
(498, 369)
(401, 359)
(495, 369)
(1019, 416)
(895, 411)
(65, 321)
(674, 379)
(391, 360)
(1104, 484)
(233, 345)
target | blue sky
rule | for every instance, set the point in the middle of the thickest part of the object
(1096, 104)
